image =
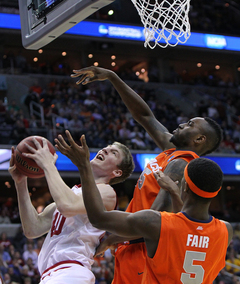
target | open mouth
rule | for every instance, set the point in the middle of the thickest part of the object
(100, 157)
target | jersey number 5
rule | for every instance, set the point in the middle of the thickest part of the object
(191, 268)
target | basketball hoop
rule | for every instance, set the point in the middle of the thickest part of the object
(165, 22)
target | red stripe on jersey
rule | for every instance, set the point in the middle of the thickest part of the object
(59, 263)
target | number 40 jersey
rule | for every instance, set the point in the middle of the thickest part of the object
(72, 238)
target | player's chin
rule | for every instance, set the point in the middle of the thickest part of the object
(95, 162)
(174, 140)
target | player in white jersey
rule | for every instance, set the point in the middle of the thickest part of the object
(76, 231)
(67, 253)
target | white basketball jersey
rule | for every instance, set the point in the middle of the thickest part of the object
(72, 238)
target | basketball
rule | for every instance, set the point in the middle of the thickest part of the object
(27, 166)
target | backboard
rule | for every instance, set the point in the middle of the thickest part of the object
(42, 21)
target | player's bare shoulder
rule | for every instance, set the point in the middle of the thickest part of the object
(230, 230)
(108, 195)
(175, 169)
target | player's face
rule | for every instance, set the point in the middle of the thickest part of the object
(108, 159)
(187, 132)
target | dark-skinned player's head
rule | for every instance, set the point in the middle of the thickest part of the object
(204, 178)
(215, 132)
(202, 135)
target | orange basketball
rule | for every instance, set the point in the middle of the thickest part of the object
(27, 166)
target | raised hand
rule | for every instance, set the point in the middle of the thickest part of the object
(16, 175)
(41, 155)
(77, 154)
(170, 186)
(166, 182)
(90, 74)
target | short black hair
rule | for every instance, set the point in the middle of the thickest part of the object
(205, 174)
(218, 134)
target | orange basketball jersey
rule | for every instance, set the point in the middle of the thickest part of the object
(147, 188)
(189, 251)
(130, 258)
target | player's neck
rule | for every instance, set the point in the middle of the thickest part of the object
(103, 180)
(198, 212)
(99, 176)
(198, 151)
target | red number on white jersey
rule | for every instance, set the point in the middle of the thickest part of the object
(57, 225)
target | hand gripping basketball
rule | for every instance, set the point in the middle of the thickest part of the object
(28, 166)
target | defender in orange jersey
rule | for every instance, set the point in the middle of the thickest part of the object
(194, 138)
(145, 192)
(186, 247)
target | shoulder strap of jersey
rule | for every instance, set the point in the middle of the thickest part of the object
(184, 154)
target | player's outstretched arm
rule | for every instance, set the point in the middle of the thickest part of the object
(34, 224)
(135, 104)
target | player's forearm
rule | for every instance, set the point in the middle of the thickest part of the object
(135, 104)
(97, 214)
(142, 113)
(162, 202)
(28, 214)
(168, 201)
(115, 239)
(68, 203)
(91, 195)
(177, 203)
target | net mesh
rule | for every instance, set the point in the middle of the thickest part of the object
(165, 23)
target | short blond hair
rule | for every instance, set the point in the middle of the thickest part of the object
(126, 166)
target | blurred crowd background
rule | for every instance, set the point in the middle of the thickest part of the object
(97, 111)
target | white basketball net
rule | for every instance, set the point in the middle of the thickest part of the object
(166, 21)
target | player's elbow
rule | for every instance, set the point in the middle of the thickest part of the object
(28, 234)
(98, 221)
(98, 225)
